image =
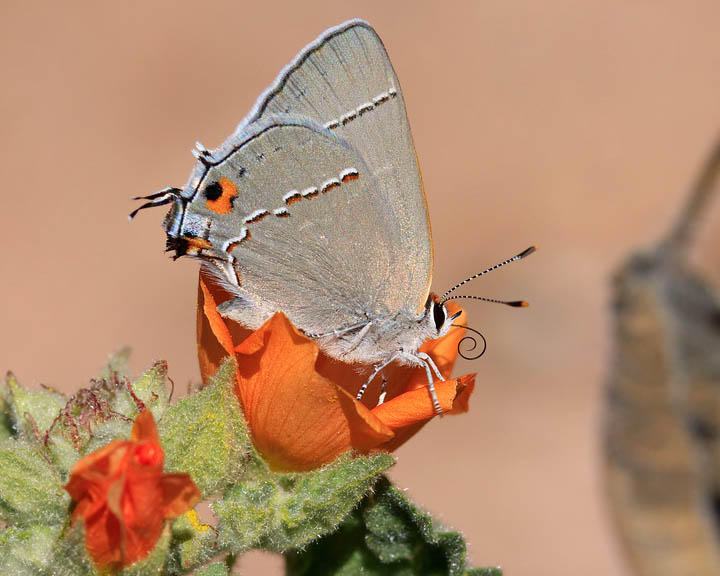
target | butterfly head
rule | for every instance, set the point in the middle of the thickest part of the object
(438, 319)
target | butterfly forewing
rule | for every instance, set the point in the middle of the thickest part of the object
(345, 82)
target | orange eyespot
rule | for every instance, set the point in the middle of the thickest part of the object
(220, 196)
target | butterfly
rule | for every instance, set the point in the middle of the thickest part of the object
(315, 207)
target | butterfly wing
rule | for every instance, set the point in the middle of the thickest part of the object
(345, 82)
(292, 207)
(335, 116)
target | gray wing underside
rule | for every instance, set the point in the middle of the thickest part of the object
(329, 258)
(344, 81)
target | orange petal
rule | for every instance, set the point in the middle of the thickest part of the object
(139, 543)
(409, 412)
(213, 336)
(98, 464)
(299, 419)
(415, 405)
(144, 429)
(103, 532)
(348, 377)
(465, 388)
(179, 494)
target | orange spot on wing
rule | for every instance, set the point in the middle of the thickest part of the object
(296, 198)
(350, 177)
(223, 205)
(196, 244)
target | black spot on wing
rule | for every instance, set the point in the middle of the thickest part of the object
(213, 191)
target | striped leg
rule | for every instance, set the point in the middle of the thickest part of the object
(430, 361)
(431, 387)
(383, 390)
(377, 370)
(422, 359)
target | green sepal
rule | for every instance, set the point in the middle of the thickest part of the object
(205, 434)
(70, 556)
(62, 452)
(193, 543)
(283, 511)
(27, 551)
(387, 535)
(30, 490)
(149, 391)
(103, 412)
(117, 365)
(32, 411)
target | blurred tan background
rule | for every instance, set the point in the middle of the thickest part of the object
(575, 125)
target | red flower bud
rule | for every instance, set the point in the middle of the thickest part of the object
(124, 498)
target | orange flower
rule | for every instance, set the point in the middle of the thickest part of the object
(124, 497)
(300, 404)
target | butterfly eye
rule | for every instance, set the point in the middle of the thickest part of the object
(439, 315)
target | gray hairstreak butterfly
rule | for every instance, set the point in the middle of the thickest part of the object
(315, 207)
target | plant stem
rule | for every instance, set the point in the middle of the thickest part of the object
(678, 241)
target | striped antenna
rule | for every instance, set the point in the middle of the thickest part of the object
(513, 303)
(520, 256)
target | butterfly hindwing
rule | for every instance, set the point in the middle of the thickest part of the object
(303, 231)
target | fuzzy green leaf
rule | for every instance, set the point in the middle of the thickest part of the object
(193, 543)
(285, 511)
(105, 432)
(386, 536)
(30, 491)
(27, 551)
(33, 411)
(214, 569)
(70, 555)
(205, 434)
